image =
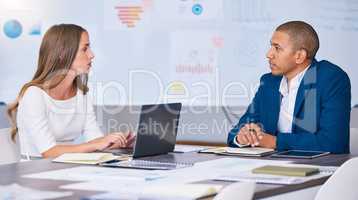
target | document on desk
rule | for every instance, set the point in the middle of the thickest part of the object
(107, 178)
(88, 158)
(324, 171)
(122, 186)
(88, 173)
(213, 168)
(180, 148)
(15, 191)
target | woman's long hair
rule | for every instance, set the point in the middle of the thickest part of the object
(57, 53)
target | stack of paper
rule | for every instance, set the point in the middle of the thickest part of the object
(88, 158)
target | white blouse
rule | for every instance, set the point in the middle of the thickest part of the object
(44, 122)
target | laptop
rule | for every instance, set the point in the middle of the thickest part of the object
(156, 135)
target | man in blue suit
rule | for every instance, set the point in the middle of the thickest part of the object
(302, 104)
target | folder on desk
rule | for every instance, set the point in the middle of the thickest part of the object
(285, 170)
(88, 158)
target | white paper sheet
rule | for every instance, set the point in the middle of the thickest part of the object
(18, 192)
(119, 186)
(179, 148)
(87, 173)
(213, 168)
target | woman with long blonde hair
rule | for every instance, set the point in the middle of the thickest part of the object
(53, 110)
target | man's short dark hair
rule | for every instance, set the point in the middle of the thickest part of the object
(302, 35)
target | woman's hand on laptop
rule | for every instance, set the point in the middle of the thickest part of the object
(128, 143)
(130, 140)
(110, 141)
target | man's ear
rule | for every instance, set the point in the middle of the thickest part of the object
(301, 56)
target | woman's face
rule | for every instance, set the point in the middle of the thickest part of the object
(84, 56)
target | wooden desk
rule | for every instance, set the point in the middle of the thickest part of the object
(12, 173)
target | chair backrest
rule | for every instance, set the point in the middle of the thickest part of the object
(10, 151)
(354, 118)
(4, 122)
(239, 190)
(342, 184)
(354, 141)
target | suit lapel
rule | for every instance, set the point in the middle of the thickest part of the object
(305, 87)
(275, 105)
(299, 98)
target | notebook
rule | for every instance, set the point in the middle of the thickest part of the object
(88, 158)
(247, 151)
(286, 171)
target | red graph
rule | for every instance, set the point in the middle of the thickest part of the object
(129, 15)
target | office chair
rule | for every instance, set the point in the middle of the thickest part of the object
(10, 151)
(342, 184)
(239, 190)
(353, 140)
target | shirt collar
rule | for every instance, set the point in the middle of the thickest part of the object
(294, 84)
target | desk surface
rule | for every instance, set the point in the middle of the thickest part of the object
(12, 173)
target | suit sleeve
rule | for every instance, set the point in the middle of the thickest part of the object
(252, 114)
(332, 132)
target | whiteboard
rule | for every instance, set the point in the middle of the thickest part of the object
(199, 52)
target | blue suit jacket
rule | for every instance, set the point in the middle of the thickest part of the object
(321, 113)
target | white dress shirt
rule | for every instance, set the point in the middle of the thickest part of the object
(289, 94)
(44, 122)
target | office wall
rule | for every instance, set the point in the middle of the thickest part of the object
(199, 52)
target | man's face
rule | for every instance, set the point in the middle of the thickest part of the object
(281, 55)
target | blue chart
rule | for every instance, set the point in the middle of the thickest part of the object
(197, 9)
(35, 29)
(12, 28)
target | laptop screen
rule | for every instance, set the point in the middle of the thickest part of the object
(157, 129)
